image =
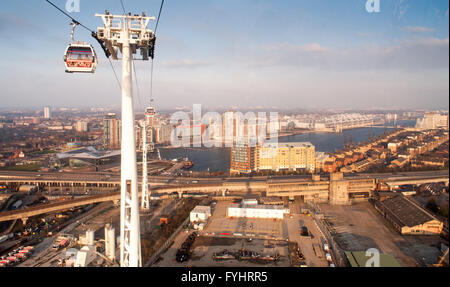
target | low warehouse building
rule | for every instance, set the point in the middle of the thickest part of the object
(200, 214)
(249, 201)
(257, 211)
(407, 216)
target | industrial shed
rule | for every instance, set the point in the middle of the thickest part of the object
(200, 214)
(257, 211)
(408, 217)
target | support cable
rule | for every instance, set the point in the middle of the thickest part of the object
(151, 69)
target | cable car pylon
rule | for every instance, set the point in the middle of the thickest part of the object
(128, 34)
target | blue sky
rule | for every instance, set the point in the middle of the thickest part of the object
(285, 54)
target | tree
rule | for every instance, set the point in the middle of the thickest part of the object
(432, 205)
(443, 210)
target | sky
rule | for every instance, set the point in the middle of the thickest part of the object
(238, 53)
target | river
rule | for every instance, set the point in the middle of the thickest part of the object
(218, 159)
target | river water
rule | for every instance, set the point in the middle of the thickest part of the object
(218, 159)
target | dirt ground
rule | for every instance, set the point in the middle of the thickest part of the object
(205, 246)
(359, 227)
(219, 223)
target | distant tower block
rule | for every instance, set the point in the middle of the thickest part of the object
(47, 113)
(150, 114)
(145, 198)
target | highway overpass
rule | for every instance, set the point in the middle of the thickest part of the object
(335, 189)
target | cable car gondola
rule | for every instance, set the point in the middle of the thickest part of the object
(79, 57)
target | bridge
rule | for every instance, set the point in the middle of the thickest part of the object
(27, 212)
(335, 189)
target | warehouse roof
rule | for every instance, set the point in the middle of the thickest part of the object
(258, 206)
(202, 209)
(88, 153)
(289, 144)
(405, 211)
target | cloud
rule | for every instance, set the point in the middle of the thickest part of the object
(361, 34)
(306, 48)
(9, 21)
(416, 29)
(419, 54)
(184, 63)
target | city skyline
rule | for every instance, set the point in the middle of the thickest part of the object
(295, 53)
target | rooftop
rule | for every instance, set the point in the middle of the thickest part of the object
(88, 153)
(201, 208)
(406, 212)
(289, 144)
(257, 206)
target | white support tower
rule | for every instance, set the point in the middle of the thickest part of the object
(129, 34)
(145, 200)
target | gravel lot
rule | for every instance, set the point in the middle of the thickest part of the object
(359, 227)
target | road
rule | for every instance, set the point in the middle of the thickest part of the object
(311, 247)
(114, 178)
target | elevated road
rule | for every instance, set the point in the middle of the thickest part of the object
(278, 186)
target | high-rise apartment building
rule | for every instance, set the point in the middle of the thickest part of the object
(432, 121)
(163, 133)
(150, 122)
(288, 156)
(243, 158)
(81, 126)
(111, 131)
(47, 113)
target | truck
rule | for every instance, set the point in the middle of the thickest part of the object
(304, 231)
(328, 257)
(3, 238)
(12, 259)
(16, 204)
(63, 243)
(326, 247)
(5, 262)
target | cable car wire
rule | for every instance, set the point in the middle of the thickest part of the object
(73, 19)
(118, 82)
(159, 15)
(123, 8)
(151, 68)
